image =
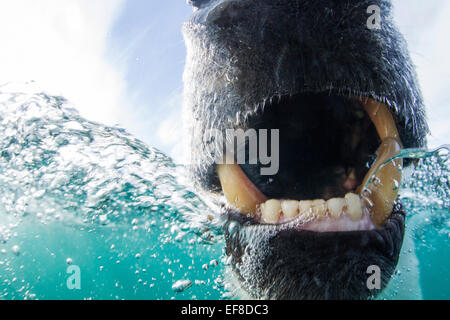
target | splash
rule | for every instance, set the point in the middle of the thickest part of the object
(75, 192)
(429, 180)
(425, 196)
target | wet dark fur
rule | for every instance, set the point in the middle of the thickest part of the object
(244, 53)
(311, 265)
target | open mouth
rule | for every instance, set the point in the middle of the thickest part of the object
(336, 170)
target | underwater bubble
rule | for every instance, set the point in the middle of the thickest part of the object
(103, 219)
(227, 295)
(16, 250)
(179, 237)
(214, 263)
(174, 229)
(181, 285)
(69, 261)
(376, 181)
(396, 184)
(233, 227)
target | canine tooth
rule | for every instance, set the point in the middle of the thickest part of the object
(354, 209)
(304, 207)
(335, 206)
(290, 208)
(319, 207)
(382, 194)
(238, 189)
(271, 210)
(380, 186)
(381, 118)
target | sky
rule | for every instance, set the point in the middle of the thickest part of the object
(120, 62)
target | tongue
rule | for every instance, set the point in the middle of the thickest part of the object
(351, 182)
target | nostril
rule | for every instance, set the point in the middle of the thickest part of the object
(197, 3)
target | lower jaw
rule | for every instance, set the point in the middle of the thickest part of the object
(368, 207)
(300, 264)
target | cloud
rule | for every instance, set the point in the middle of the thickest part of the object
(425, 25)
(62, 45)
(171, 132)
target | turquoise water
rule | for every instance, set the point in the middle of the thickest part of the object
(77, 193)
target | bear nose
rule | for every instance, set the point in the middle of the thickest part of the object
(225, 13)
(221, 13)
(197, 3)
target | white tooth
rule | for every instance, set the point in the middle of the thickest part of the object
(271, 211)
(304, 207)
(335, 206)
(290, 208)
(354, 208)
(319, 207)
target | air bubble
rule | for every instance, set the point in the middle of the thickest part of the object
(181, 285)
(233, 227)
(214, 263)
(396, 184)
(16, 250)
(376, 181)
(103, 219)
